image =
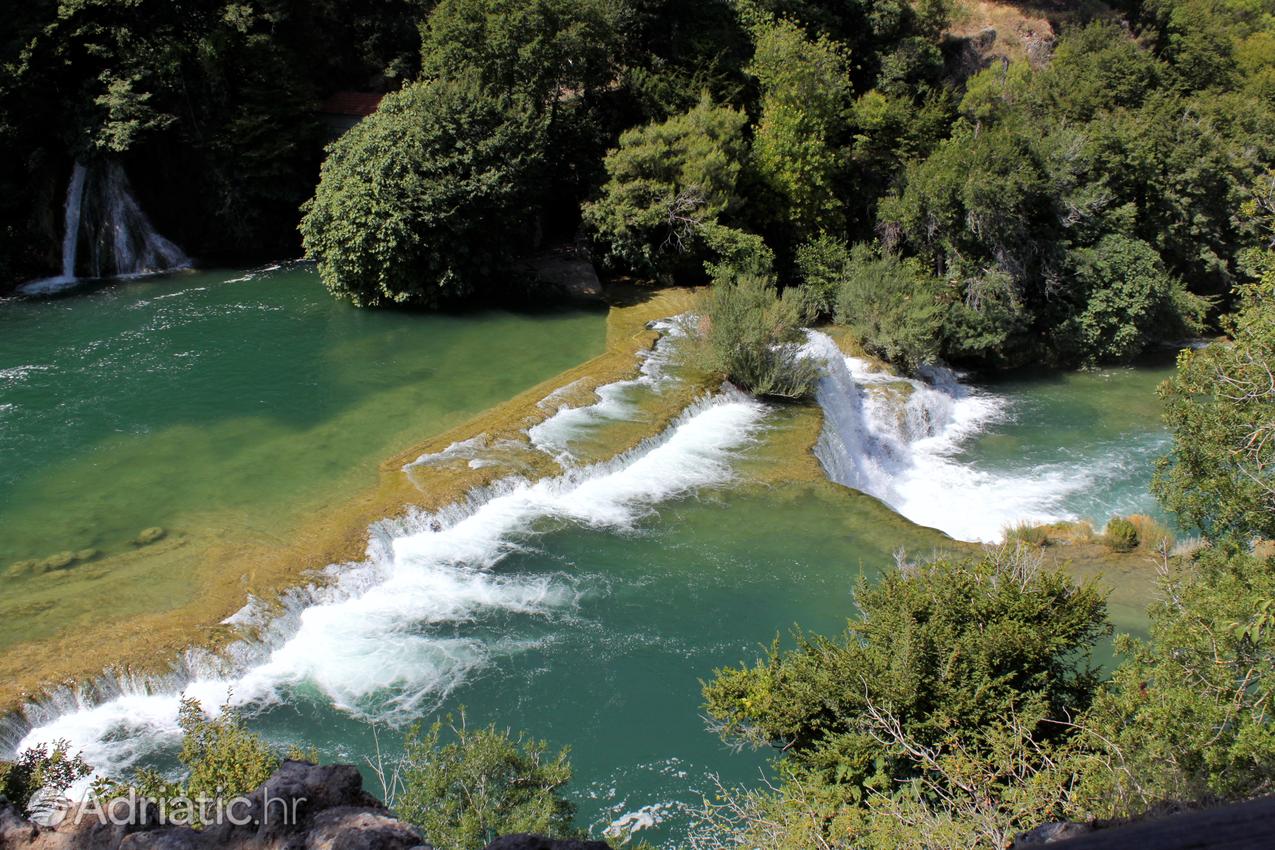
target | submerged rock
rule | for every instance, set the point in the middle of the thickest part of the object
(22, 568)
(149, 536)
(86, 554)
(57, 561)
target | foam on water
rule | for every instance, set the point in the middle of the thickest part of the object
(898, 439)
(381, 638)
(616, 401)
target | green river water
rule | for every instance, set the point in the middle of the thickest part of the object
(586, 611)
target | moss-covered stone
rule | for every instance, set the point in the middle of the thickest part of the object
(86, 554)
(21, 568)
(149, 536)
(57, 561)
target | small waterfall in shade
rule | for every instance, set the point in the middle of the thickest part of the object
(106, 233)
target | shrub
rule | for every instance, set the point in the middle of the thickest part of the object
(892, 305)
(668, 182)
(1026, 532)
(41, 767)
(1121, 535)
(956, 680)
(482, 784)
(221, 757)
(1152, 536)
(754, 337)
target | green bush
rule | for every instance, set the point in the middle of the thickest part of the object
(221, 758)
(917, 725)
(40, 767)
(427, 200)
(754, 337)
(483, 783)
(1026, 532)
(1121, 535)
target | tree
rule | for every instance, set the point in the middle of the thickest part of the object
(805, 101)
(40, 768)
(426, 200)
(482, 784)
(542, 49)
(1129, 300)
(666, 183)
(1220, 406)
(950, 668)
(1186, 717)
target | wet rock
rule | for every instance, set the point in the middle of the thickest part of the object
(1051, 832)
(149, 536)
(86, 554)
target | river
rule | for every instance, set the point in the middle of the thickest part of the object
(585, 607)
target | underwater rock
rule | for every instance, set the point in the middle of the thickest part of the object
(86, 554)
(22, 568)
(149, 536)
(57, 561)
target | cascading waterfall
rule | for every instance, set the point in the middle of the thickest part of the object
(384, 639)
(896, 438)
(119, 240)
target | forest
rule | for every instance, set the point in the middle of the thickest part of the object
(1073, 203)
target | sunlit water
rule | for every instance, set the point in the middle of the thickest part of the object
(584, 609)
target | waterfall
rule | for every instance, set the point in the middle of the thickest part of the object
(102, 214)
(383, 639)
(71, 220)
(899, 439)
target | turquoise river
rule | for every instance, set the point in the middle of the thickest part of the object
(240, 411)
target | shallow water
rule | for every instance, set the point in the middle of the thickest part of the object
(586, 608)
(228, 407)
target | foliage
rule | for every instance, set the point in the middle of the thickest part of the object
(805, 100)
(753, 336)
(1129, 300)
(957, 679)
(667, 183)
(1219, 476)
(1120, 535)
(541, 49)
(1028, 533)
(221, 758)
(38, 768)
(210, 104)
(481, 784)
(892, 306)
(1185, 717)
(425, 201)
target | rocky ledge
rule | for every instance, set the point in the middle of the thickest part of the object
(326, 806)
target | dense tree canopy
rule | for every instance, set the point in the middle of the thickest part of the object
(666, 183)
(427, 200)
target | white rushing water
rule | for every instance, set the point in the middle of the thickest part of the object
(102, 215)
(898, 439)
(378, 640)
(616, 401)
